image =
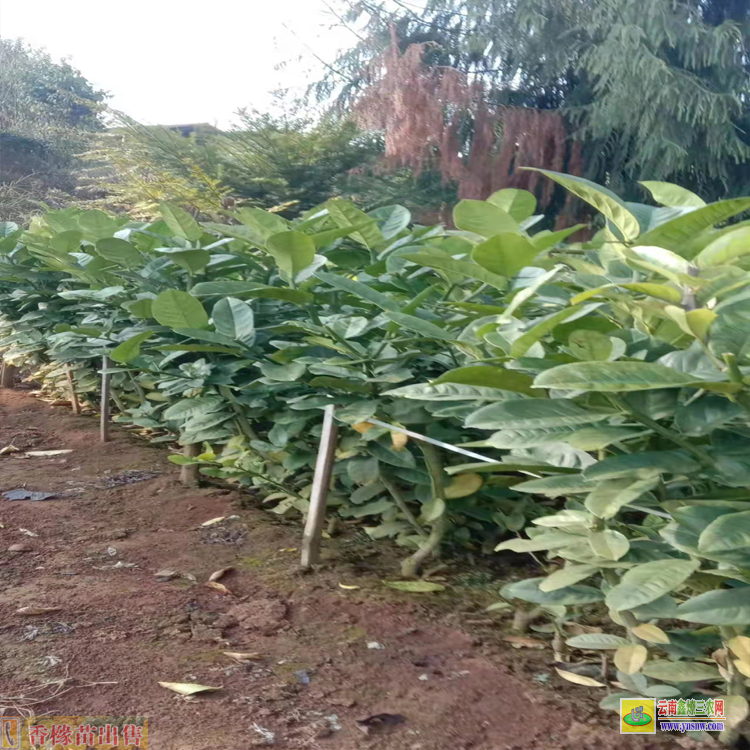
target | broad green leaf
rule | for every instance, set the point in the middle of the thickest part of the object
(263, 223)
(536, 413)
(528, 590)
(609, 544)
(600, 198)
(391, 219)
(327, 236)
(630, 658)
(590, 346)
(193, 261)
(292, 251)
(723, 607)
(139, 308)
(283, 373)
(725, 249)
(131, 348)
(345, 214)
(180, 222)
(568, 484)
(463, 485)
(461, 267)
(545, 239)
(647, 464)
(660, 291)
(726, 533)
(669, 194)
(511, 439)
(597, 641)
(681, 671)
(358, 289)
(564, 518)
(96, 224)
(234, 318)
(251, 290)
(520, 204)
(660, 260)
(613, 376)
(608, 497)
(119, 251)
(482, 218)
(189, 407)
(64, 242)
(433, 510)
(415, 587)
(567, 576)
(550, 540)
(490, 377)
(646, 583)
(679, 231)
(449, 392)
(177, 309)
(522, 344)
(504, 254)
(421, 326)
(596, 438)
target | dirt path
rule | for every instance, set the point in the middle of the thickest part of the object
(124, 625)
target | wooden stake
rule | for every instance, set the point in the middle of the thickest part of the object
(189, 472)
(319, 494)
(8, 376)
(104, 424)
(73, 395)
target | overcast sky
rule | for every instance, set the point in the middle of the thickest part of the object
(180, 61)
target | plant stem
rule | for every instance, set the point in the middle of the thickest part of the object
(704, 458)
(400, 501)
(410, 566)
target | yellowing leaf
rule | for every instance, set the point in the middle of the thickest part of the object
(219, 587)
(399, 440)
(213, 521)
(735, 709)
(650, 633)
(362, 427)
(579, 679)
(188, 688)
(463, 485)
(743, 667)
(631, 658)
(218, 574)
(740, 647)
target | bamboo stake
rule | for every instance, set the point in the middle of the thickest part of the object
(189, 472)
(104, 424)
(76, 406)
(318, 495)
(8, 376)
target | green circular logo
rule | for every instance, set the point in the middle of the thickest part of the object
(644, 720)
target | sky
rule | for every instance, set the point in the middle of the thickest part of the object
(184, 61)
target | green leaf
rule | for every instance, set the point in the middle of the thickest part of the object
(567, 576)
(193, 261)
(449, 392)
(723, 607)
(234, 318)
(613, 377)
(528, 590)
(263, 223)
(139, 308)
(180, 222)
(547, 324)
(482, 218)
(292, 251)
(536, 413)
(177, 309)
(726, 533)
(607, 498)
(547, 541)
(423, 327)
(505, 254)
(490, 377)
(461, 267)
(680, 671)
(283, 373)
(345, 214)
(434, 509)
(672, 195)
(119, 251)
(545, 239)
(725, 248)
(647, 464)
(597, 642)
(358, 289)
(590, 346)
(568, 484)
(609, 544)
(660, 291)
(190, 407)
(596, 438)
(679, 231)
(646, 583)
(600, 198)
(64, 242)
(520, 204)
(251, 290)
(131, 348)
(415, 587)
(392, 219)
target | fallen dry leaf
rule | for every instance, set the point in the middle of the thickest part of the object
(43, 454)
(218, 574)
(579, 679)
(188, 688)
(32, 610)
(212, 521)
(28, 532)
(288, 549)
(18, 548)
(9, 449)
(219, 587)
(242, 655)
(348, 587)
(166, 574)
(379, 722)
(522, 641)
